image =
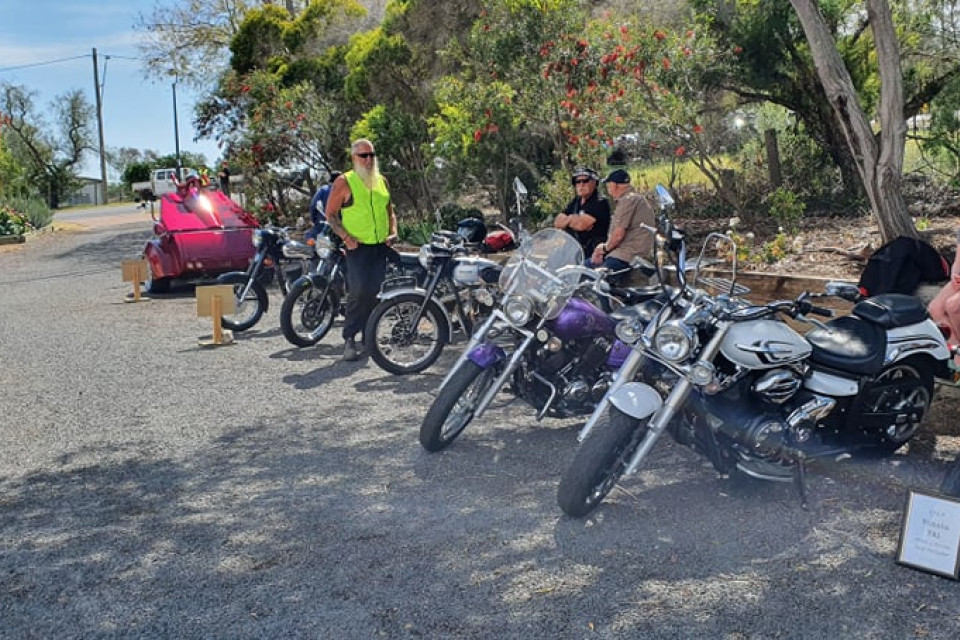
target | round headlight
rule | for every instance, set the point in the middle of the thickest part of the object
(257, 238)
(518, 310)
(425, 257)
(675, 341)
(628, 331)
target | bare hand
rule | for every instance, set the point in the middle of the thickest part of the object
(391, 239)
(351, 243)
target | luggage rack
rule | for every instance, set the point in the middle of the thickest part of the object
(724, 285)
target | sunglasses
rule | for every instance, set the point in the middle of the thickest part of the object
(584, 181)
(371, 154)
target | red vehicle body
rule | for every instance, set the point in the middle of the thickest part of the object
(200, 234)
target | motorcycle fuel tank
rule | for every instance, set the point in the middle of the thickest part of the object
(471, 271)
(762, 344)
(580, 319)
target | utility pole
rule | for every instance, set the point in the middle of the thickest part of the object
(103, 155)
(176, 130)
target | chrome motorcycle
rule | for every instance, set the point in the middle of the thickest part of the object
(736, 383)
(556, 349)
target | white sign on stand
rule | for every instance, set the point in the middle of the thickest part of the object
(930, 537)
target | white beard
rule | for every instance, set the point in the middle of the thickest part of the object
(369, 176)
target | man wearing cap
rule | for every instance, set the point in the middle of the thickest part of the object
(587, 216)
(626, 239)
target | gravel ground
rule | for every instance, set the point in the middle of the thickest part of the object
(149, 487)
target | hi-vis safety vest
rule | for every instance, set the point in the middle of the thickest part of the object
(367, 219)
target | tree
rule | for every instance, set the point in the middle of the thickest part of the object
(879, 159)
(51, 154)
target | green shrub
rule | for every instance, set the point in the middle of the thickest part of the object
(786, 208)
(34, 210)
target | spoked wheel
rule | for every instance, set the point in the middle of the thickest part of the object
(453, 409)
(903, 392)
(308, 312)
(600, 462)
(399, 346)
(248, 310)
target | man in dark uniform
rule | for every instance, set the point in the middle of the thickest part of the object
(587, 216)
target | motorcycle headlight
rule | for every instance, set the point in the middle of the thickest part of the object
(425, 257)
(518, 310)
(628, 331)
(675, 341)
(257, 238)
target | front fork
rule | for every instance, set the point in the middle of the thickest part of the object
(252, 272)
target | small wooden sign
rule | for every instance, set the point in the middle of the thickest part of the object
(213, 301)
(930, 536)
(134, 271)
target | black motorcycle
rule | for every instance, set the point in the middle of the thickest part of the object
(315, 299)
(278, 256)
(409, 327)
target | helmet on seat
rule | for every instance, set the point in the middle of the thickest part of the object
(472, 230)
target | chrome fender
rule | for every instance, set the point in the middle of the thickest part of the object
(402, 291)
(637, 400)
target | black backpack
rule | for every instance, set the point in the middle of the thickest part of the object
(900, 266)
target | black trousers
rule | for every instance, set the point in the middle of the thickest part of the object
(366, 269)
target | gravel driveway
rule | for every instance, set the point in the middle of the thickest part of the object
(149, 487)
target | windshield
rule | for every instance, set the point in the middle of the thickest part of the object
(532, 271)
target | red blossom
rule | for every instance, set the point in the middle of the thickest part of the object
(666, 63)
(697, 128)
(690, 33)
(738, 50)
(477, 135)
(679, 151)
(659, 35)
(623, 30)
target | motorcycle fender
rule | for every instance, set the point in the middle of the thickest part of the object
(637, 400)
(393, 293)
(486, 355)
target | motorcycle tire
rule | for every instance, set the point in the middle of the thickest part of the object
(248, 311)
(919, 398)
(599, 462)
(305, 317)
(453, 408)
(156, 285)
(387, 334)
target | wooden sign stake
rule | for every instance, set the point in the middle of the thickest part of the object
(214, 301)
(134, 271)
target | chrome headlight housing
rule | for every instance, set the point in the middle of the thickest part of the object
(675, 341)
(425, 256)
(518, 310)
(629, 331)
(257, 238)
(323, 246)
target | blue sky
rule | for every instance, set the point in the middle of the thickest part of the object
(136, 111)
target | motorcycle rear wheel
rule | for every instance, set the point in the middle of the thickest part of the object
(453, 409)
(599, 463)
(307, 314)
(247, 312)
(919, 398)
(392, 344)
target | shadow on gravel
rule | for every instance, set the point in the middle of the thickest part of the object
(314, 526)
(104, 248)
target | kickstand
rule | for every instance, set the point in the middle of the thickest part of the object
(801, 481)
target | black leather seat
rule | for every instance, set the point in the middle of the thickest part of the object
(891, 310)
(849, 344)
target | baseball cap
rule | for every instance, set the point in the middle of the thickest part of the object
(619, 176)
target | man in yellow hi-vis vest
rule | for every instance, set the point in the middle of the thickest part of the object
(360, 212)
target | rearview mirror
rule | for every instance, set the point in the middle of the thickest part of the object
(663, 195)
(519, 187)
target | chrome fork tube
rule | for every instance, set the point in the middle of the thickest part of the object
(624, 374)
(479, 335)
(251, 274)
(502, 378)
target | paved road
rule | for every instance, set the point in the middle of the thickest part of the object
(103, 217)
(149, 487)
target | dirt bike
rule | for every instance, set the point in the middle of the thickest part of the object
(277, 256)
(736, 383)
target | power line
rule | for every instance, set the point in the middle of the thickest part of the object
(40, 64)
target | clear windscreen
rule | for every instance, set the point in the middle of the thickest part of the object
(533, 268)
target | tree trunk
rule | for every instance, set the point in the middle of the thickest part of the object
(880, 163)
(773, 157)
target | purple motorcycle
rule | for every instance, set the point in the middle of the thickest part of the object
(557, 349)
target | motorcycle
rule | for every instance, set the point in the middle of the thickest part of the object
(315, 299)
(409, 327)
(557, 350)
(277, 255)
(736, 383)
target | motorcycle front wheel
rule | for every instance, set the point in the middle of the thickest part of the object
(399, 347)
(248, 311)
(599, 463)
(453, 409)
(307, 314)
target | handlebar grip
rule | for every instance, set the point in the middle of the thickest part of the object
(821, 311)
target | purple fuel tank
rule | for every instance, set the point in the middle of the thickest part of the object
(580, 319)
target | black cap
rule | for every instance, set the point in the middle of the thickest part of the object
(619, 176)
(584, 172)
